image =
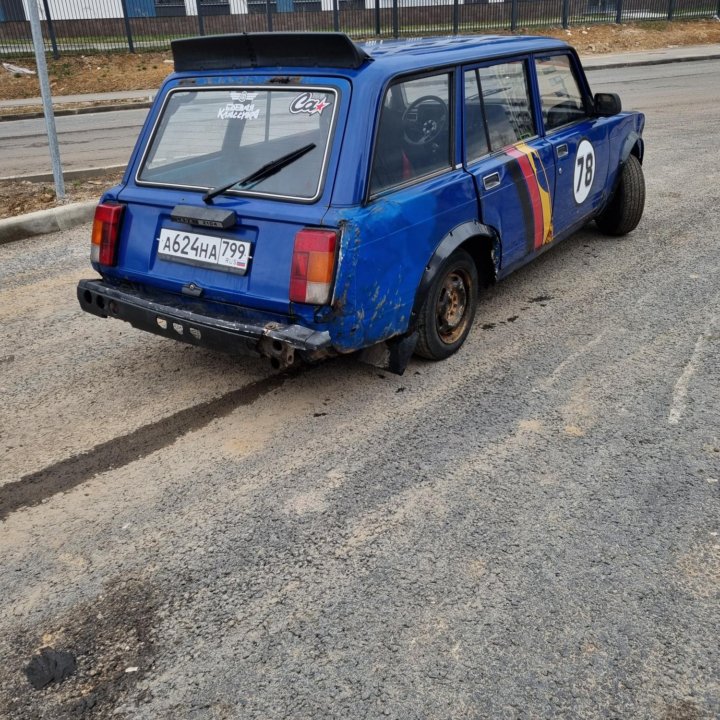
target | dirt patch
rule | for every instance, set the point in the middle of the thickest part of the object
(112, 639)
(603, 39)
(74, 74)
(21, 197)
(77, 74)
(684, 710)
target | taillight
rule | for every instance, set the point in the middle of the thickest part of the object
(105, 233)
(313, 266)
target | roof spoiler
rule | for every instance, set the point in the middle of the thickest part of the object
(278, 49)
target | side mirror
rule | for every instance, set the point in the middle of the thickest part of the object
(607, 104)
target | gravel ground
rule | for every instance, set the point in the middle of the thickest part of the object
(527, 530)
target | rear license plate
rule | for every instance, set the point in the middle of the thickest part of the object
(205, 250)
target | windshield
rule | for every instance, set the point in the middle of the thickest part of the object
(205, 138)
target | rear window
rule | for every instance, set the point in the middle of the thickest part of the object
(208, 138)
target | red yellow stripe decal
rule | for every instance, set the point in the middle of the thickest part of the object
(539, 189)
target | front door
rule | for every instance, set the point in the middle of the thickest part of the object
(514, 168)
(579, 141)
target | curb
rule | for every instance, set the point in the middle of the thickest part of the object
(77, 111)
(46, 221)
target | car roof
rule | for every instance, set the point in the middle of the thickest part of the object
(393, 58)
(335, 52)
(407, 54)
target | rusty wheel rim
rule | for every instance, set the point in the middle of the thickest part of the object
(452, 308)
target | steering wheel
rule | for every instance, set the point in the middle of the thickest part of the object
(424, 119)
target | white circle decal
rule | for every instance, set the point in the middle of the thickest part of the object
(584, 171)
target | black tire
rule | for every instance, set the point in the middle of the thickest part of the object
(448, 310)
(624, 211)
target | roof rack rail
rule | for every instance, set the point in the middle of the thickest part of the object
(252, 50)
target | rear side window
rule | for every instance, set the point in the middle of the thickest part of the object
(413, 137)
(560, 96)
(506, 102)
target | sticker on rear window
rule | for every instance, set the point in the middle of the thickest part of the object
(241, 107)
(306, 103)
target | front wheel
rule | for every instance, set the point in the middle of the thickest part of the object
(448, 310)
(624, 211)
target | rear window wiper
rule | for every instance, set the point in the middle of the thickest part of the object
(262, 173)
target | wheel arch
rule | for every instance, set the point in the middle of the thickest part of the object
(633, 145)
(480, 241)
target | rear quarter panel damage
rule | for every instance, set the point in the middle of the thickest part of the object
(386, 246)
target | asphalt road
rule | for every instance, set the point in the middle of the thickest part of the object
(527, 530)
(94, 140)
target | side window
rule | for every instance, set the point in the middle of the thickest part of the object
(560, 96)
(413, 137)
(476, 139)
(506, 99)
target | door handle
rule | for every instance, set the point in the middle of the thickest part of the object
(562, 150)
(491, 181)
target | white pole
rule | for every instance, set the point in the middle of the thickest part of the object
(46, 99)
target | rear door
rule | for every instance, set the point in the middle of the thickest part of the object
(416, 197)
(210, 136)
(513, 166)
(579, 140)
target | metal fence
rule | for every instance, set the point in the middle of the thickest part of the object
(106, 25)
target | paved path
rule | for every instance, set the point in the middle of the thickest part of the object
(651, 57)
(59, 100)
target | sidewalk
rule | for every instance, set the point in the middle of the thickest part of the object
(659, 56)
(111, 97)
(77, 104)
(132, 98)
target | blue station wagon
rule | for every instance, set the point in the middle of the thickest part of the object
(297, 195)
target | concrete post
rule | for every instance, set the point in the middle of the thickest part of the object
(42, 72)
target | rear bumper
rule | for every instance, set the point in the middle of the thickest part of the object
(170, 316)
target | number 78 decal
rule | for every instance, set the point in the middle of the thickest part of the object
(584, 171)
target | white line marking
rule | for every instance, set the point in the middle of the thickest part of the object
(572, 358)
(679, 398)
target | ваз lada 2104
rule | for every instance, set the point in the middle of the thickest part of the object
(303, 195)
